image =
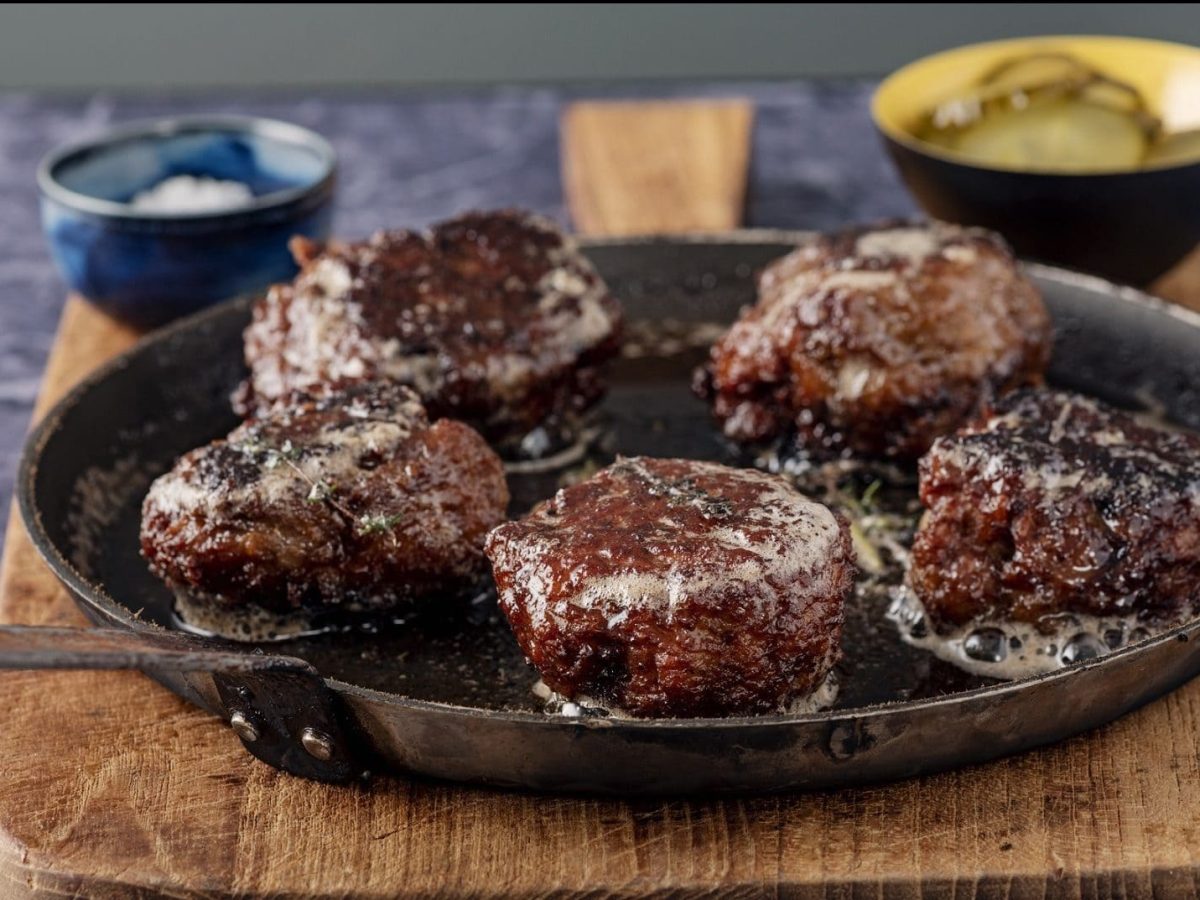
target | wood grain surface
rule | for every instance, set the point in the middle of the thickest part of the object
(653, 167)
(113, 787)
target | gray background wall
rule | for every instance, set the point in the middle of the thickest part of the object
(82, 47)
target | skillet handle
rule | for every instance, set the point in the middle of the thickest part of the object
(35, 647)
(279, 706)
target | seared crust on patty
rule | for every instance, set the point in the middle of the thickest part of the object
(495, 319)
(353, 500)
(669, 587)
(1055, 503)
(878, 340)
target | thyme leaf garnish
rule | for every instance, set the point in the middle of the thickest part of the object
(320, 490)
(376, 524)
(285, 453)
(868, 496)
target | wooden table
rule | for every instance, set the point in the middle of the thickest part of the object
(114, 787)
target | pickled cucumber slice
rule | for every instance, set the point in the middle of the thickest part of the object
(1118, 95)
(1038, 70)
(1061, 135)
(1181, 147)
(1046, 111)
(1011, 85)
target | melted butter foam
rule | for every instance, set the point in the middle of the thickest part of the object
(1009, 650)
(248, 623)
(913, 245)
(823, 696)
(537, 444)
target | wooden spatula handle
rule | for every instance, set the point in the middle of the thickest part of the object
(656, 167)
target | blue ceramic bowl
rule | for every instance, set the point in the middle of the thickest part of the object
(150, 267)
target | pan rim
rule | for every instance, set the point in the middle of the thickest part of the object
(96, 597)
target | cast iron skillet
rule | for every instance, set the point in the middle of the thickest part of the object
(448, 695)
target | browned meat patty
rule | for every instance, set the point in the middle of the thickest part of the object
(353, 500)
(668, 587)
(1054, 503)
(876, 341)
(495, 319)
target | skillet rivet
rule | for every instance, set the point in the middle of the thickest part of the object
(243, 727)
(318, 744)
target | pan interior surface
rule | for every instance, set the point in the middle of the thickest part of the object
(94, 459)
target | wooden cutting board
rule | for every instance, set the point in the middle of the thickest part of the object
(112, 786)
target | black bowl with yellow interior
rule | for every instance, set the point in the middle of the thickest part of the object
(1100, 213)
